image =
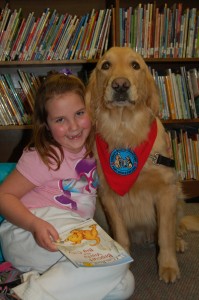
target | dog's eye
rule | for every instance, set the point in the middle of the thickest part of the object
(106, 65)
(135, 65)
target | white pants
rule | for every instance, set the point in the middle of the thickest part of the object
(60, 279)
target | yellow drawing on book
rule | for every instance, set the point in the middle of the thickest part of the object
(77, 235)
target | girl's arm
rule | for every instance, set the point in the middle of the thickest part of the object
(11, 191)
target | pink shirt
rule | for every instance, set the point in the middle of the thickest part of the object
(72, 187)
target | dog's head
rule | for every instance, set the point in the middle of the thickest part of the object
(121, 79)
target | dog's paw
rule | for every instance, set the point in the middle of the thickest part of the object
(169, 274)
(181, 245)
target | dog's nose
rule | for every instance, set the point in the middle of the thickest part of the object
(120, 84)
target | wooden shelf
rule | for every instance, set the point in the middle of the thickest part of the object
(15, 127)
(15, 64)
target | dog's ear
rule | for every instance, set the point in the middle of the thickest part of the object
(90, 97)
(153, 100)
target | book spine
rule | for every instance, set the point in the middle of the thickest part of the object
(57, 34)
(15, 44)
(23, 47)
(170, 97)
(9, 100)
(11, 86)
(63, 36)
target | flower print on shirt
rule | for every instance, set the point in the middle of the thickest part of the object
(85, 183)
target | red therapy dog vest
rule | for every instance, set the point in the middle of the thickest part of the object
(121, 167)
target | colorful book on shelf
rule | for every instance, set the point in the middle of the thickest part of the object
(75, 38)
(103, 33)
(26, 37)
(13, 51)
(27, 88)
(113, 26)
(14, 96)
(150, 33)
(12, 32)
(145, 31)
(178, 28)
(194, 78)
(191, 91)
(157, 33)
(179, 109)
(191, 31)
(196, 153)
(90, 25)
(98, 34)
(51, 36)
(69, 37)
(191, 136)
(5, 31)
(57, 34)
(134, 28)
(92, 34)
(184, 163)
(170, 97)
(187, 154)
(106, 40)
(5, 117)
(47, 31)
(78, 54)
(38, 34)
(181, 96)
(165, 114)
(59, 46)
(186, 23)
(185, 92)
(7, 110)
(30, 46)
(196, 39)
(9, 101)
(88, 245)
(5, 13)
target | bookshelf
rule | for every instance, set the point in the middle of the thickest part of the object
(14, 137)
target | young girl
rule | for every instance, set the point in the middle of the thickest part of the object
(54, 187)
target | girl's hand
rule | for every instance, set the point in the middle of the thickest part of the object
(44, 234)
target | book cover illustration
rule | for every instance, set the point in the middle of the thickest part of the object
(88, 245)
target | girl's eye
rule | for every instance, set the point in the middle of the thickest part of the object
(80, 113)
(59, 120)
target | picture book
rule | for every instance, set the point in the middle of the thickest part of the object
(88, 245)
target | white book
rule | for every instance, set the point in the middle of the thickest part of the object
(88, 245)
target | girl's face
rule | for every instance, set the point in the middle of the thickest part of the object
(68, 121)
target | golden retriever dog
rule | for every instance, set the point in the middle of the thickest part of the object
(139, 188)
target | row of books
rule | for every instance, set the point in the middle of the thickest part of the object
(160, 32)
(17, 94)
(52, 36)
(185, 145)
(179, 93)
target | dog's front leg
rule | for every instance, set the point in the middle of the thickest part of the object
(166, 213)
(115, 220)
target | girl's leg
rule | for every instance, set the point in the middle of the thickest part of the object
(66, 282)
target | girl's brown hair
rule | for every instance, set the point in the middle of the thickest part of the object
(42, 140)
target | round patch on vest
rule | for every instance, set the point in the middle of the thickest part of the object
(123, 161)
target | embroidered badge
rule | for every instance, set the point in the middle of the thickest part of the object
(123, 161)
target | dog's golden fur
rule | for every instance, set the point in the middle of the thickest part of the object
(123, 101)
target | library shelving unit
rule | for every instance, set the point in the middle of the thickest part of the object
(14, 137)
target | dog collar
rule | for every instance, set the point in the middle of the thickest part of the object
(121, 167)
(159, 159)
